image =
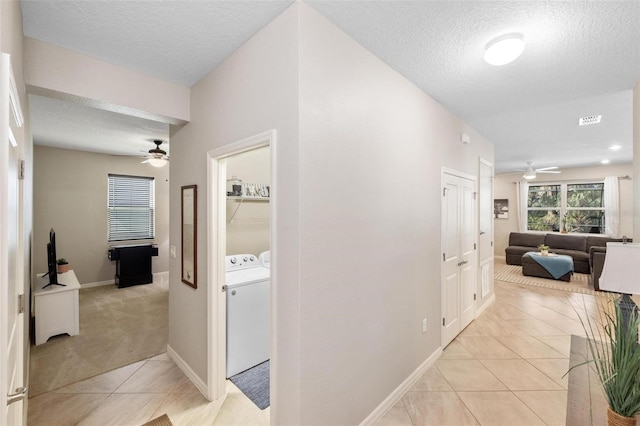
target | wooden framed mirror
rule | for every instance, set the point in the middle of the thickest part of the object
(189, 220)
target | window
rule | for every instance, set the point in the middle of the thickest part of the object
(570, 207)
(130, 208)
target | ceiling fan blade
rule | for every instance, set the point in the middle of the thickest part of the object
(546, 168)
(547, 171)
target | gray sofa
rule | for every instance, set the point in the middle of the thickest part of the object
(588, 252)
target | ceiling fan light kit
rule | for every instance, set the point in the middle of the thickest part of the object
(157, 157)
(504, 49)
(531, 173)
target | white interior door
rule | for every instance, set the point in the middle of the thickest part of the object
(11, 280)
(458, 255)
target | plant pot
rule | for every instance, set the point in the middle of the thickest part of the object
(615, 419)
(544, 252)
(564, 232)
(63, 268)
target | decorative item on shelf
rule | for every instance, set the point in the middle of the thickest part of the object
(255, 190)
(544, 249)
(63, 265)
(234, 187)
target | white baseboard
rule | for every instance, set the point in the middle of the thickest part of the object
(158, 277)
(485, 305)
(161, 277)
(377, 414)
(191, 375)
(98, 284)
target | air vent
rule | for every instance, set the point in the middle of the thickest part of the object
(591, 119)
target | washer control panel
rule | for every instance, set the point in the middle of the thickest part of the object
(241, 261)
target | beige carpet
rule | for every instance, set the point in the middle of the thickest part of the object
(513, 273)
(117, 327)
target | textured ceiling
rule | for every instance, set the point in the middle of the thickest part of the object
(581, 58)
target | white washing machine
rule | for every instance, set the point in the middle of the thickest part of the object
(248, 312)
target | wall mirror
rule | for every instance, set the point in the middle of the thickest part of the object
(189, 240)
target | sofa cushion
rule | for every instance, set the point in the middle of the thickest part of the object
(525, 240)
(567, 242)
(602, 241)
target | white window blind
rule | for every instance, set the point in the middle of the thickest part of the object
(131, 208)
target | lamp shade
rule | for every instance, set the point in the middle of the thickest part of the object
(621, 271)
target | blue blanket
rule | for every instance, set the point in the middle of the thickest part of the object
(556, 265)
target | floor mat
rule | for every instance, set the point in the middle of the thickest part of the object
(513, 273)
(254, 383)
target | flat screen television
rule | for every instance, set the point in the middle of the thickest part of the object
(52, 267)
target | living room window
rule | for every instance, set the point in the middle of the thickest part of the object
(567, 207)
(130, 208)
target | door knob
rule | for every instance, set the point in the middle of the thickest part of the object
(20, 394)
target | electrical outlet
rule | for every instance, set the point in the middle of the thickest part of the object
(424, 325)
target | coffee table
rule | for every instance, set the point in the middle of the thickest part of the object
(531, 268)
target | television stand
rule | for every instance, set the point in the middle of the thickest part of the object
(56, 307)
(63, 285)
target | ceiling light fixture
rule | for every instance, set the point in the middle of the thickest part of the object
(605, 161)
(530, 174)
(504, 49)
(156, 162)
(590, 119)
(615, 147)
(157, 156)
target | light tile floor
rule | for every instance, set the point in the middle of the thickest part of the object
(505, 368)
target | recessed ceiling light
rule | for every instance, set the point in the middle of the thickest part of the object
(504, 49)
(615, 147)
(590, 119)
(605, 161)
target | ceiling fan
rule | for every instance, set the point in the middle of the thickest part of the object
(157, 157)
(531, 173)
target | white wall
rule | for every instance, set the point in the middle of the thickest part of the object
(70, 196)
(504, 187)
(248, 232)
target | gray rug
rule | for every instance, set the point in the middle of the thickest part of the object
(254, 383)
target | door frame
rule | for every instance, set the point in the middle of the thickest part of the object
(455, 173)
(216, 249)
(10, 107)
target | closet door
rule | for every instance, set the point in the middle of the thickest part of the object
(458, 255)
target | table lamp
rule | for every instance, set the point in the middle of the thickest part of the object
(621, 274)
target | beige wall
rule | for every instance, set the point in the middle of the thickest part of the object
(357, 219)
(636, 161)
(252, 91)
(504, 187)
(248, 232)
(70, 195)
(61, 73)
(372, 146)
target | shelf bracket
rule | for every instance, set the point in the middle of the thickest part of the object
(240, 200)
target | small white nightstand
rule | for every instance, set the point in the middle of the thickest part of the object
(57, 307)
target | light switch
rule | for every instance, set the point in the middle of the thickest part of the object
(172, 251)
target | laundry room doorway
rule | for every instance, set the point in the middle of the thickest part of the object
(240, 205)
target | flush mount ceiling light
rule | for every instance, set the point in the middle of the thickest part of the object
(590, 119)
(605, 161)
(615, 147)
(504, 49)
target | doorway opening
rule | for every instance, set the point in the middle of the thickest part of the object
(241, 205)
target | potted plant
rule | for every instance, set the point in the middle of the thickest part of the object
(544, 249)
(615, 354)
(63, 265)
(564, 223)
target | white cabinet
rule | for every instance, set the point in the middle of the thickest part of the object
(57, 307)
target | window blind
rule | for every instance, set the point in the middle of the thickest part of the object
(130, 208)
